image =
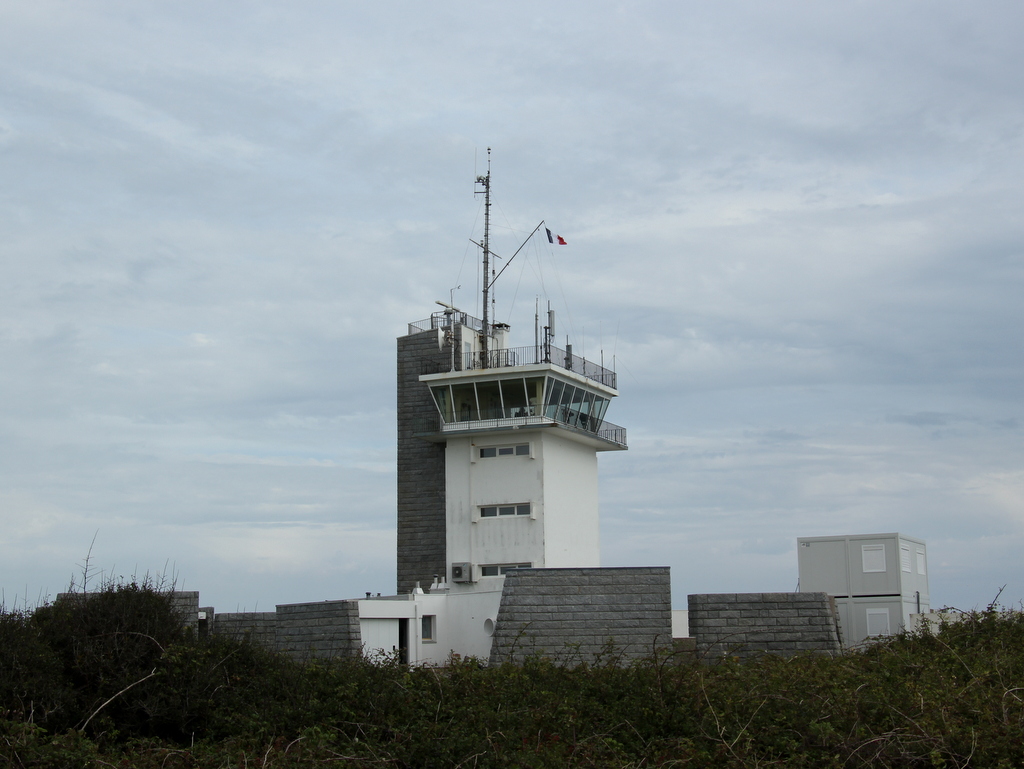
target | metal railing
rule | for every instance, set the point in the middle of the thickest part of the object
(522, 356)
(511, 356)
(445, 320)
(434, 425)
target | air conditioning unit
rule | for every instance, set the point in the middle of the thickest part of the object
(462, 572)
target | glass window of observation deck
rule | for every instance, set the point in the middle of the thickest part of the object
(464, 402)
(513, 396)
(488, 395)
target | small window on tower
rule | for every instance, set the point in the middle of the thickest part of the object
(501, 569)
(494, 511)
(519, 450)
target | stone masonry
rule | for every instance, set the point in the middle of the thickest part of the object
(583, 614)
(327, 629)
(750, 624)
(260, 627)
(324, 629)
(422, 539)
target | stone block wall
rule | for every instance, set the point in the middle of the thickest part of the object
(422, 536)
(750, 624)
(186, 602)
(303, 630)
(582, 614)
(326, 629)
(260, 627)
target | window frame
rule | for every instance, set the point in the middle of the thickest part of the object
(428, 628)
(518, 510)
(501, 569)
(505, 450)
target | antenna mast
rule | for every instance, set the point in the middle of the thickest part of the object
(485, 182)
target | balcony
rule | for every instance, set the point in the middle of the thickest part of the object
(510, 356)
(433, 427)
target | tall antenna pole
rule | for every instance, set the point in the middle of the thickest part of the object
(485, 182)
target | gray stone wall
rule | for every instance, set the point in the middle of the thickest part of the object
(324, 629)
(260, 627)
(186, 602)
(750, 624)
(327, 629)
(582, 615)
(422, 538)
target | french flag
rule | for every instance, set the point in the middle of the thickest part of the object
(553, 238)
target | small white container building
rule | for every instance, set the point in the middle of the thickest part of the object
(878, 580)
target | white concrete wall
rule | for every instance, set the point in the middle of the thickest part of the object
(470, 621)
(471, 482)
(572, 530)
(558, 479)
(461, 624)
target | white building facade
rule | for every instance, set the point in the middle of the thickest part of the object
(497, 471)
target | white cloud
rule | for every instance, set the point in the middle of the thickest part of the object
(794, 228)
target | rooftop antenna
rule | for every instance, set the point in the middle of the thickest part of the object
(450, 311)
(485, 182)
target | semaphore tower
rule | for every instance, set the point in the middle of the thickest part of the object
(497, 448)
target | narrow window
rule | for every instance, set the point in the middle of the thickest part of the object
(920, 562)
(520, 450)
(494, 511)
(507, 567)
(554, 394)
(500, 569)
(428, 627)
(534, 395)
(905, 558)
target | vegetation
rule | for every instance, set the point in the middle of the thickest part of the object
(114, 680)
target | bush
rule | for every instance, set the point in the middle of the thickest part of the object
(115, 679)
(32, 687)
(108, 644)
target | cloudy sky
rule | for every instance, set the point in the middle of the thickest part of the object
(794, 227)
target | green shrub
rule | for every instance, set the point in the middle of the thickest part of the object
(32, 686)
(152, 695)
